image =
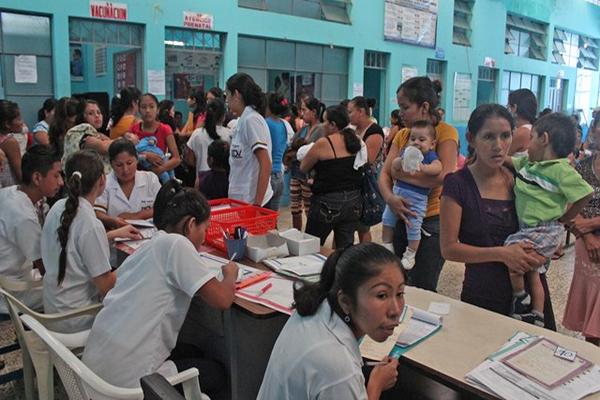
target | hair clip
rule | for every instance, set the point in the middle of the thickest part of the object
(76, 173)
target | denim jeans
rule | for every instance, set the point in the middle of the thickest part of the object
(338, 212)
(429, 261)
(277, 186)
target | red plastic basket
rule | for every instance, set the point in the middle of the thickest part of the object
(227, 214)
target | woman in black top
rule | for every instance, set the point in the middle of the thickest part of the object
(359, 111)
(336, 203)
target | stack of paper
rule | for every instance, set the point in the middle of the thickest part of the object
(306, 267)
(526, 368)
(216, 263)
(274, 292)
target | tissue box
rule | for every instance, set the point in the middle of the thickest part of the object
(261, 247)
(300, 243)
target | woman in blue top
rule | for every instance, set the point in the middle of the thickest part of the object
(277, 105)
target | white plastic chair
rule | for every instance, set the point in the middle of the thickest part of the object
(34, 353)
(75, 375)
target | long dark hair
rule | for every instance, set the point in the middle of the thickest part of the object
(345, 270)
(338, 115)
(215, 111)
(48, 106)
(251, 93)
(122, 102)
(365, 103)
(480, 115)
(421, 89)
(82, 171)
(9, 111)
(526, 104)
(278, 105)
(164, 116)
(66, 108)
(200, 107)
(81, 110)
(174, 203)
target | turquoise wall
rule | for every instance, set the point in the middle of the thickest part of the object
(365, 33)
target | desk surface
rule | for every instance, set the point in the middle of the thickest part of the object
(469, 334)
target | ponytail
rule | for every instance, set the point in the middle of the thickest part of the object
(83, 170)
(309, 297)
(122, 102)
(175, 202)
(214, 113)
(338, 115)
(351, 140)
(251, 93)
(316, 106)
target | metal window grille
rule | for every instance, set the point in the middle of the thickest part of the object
(375, 60)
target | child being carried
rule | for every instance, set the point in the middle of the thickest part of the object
(418, 155)
(544, 187)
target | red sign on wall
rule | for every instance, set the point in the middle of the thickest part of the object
(197, 20)
(108, 10)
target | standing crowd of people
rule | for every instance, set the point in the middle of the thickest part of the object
(72, 184)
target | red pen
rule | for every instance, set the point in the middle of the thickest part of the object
(265, 288)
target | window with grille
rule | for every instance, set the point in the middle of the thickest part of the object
(463, 11)
(525, 37)
(328, 10)
(435, 70)
(574, 50)
(375, 60)
(100, 60)
(89, 31)
(193, 39)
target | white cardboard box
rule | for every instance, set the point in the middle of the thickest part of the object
(301, 244)
(261, 247)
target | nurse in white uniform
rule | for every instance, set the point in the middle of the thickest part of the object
(361, 292)
(250, 153)
(75, 248)
(137, 329)
(21, 218)
(129, 193)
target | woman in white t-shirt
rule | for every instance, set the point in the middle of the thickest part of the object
(74, 244)
(129, 193)
(250, 154)
(195, 154)
(143, 313)
(316, 356)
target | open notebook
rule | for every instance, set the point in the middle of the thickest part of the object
(300, 267)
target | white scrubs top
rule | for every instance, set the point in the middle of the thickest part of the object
(315, 357)
(87, 258)
(251, 133)
(20, 235)
(199, 142)
(143, 313)
(114, 202)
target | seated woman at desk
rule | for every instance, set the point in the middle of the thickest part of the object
(361, 292)
(478, 214)
(75, 248)
(143, 313)
(129, 193)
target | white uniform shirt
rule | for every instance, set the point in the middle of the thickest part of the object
(20, 235)
(199, 142)
(87, 257)
(137, 328)
(251, 133)
(114, 202)
(315, 357)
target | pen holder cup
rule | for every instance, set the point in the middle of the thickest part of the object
(237, 246)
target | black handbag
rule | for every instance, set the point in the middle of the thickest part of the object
(373, 203)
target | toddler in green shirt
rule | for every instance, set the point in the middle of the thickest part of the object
(545, 186)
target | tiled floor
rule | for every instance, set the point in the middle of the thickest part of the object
(559, 279)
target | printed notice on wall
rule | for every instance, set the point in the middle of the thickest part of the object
(26, 69)
(408, 72)
(462, 96)
(156, 81)
(357, 89)
(411, 21)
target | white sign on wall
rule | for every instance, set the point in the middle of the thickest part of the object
(197, 20)
(411, 21)
(26, 69)
(108, 10)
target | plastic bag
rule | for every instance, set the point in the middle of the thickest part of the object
(412, 159)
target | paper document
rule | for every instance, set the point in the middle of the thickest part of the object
(146, 233)
(379, 350)
(300, 266)
(421, 325)
(216, 263)
(494, 376)
(279, 294)
(142, 223)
